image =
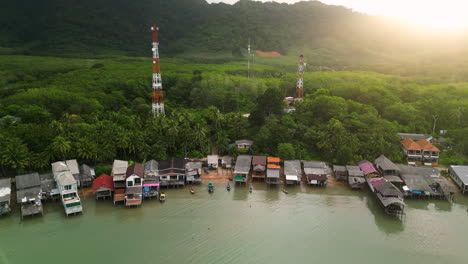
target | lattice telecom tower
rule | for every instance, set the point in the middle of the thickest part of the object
(300, 79)
(158, 99)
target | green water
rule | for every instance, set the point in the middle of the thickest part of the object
(308, 225)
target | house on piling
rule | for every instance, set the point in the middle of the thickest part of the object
(67, 187)
(273, 170)
(193, 172)
(459, 175)
(242, 169)
(213, 161)
(356, 179)
(134, 185)
(119, 171)
(340, 172)
(226, 162)
(389, 170)
(75, 170)
(87, 175)
(172, 172)
(151, 180)
(425, 183)
(29, 194)
(103, 186)
(292, 171)
(259, 167)
(49, 187)
(388, 195)
(317, 172)
(5, 196)
(368, 169)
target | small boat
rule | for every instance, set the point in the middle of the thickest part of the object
(286, 192)
(192, 191)
(210, 187)
(228, 187)
(162, 197)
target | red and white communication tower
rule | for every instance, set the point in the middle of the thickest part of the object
(158, 99)
(300, 79)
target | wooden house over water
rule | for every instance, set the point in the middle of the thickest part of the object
(213, 161)
(29, 194)
(273, 170)
(389, 170)
(316, 172)
(49, 187)
(459, 175)
(119, 171)
(68, 188)
(259, 167)
(356, 179)
(340, 172)
(75, 170)
(5, 196)
(292, 171)
(151, 182)
(103, 186)
(172, 172)
(87, 175)
(242, 169)
(425, 182)
(368, 169)
(193, 172)
(388, 195)
(134, 185)
(226, 162)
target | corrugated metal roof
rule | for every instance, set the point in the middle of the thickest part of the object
(119, 167)
(354, 171)
(314, 164)
(462, 172)
(135, 169)
(65, 178)
(315, 171)
(213, 159)
(273, 173)
(28, 181)
(259, 160)
(244, 141)
(339, 168)
(73, 166)
(59, 166)
(385, 164)
(292, 167)
(243, 164)
(29, 193)
(367, 167)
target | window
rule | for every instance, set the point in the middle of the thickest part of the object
(67, 187)
(129, 183)
(137, 181)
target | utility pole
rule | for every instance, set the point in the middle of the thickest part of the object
(434, 117)
(157, 105)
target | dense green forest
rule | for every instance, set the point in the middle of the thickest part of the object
(75, 82)
(99, 109)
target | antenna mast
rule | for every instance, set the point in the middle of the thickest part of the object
(300, 80)
(157, 105)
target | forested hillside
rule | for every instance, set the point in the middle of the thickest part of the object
(328, 35)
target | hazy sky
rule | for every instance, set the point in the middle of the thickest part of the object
(438, 13)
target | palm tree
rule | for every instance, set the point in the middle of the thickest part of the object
(60, 147)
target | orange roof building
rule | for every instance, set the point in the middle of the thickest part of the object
(421, 152)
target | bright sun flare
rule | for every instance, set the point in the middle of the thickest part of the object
(440, 14)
